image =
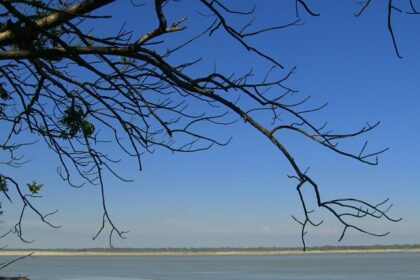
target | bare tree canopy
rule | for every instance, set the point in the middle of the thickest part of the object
(80, 90)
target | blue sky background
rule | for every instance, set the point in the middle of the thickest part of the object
(239, 195)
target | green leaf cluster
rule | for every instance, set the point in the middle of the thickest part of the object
(74, 120)
(3, 184)
(34, 187)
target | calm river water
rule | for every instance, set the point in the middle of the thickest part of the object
(394, 266)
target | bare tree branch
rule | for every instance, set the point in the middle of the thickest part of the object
(133, 94)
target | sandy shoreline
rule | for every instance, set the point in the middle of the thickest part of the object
(198, 253)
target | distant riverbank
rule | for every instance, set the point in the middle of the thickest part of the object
(210, 251)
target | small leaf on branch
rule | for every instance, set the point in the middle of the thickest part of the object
(34, 187)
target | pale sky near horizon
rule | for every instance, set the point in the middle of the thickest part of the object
(239, 195)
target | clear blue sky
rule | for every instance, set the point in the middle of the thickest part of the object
(239, 195)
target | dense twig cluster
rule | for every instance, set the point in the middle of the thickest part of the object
(74, 89)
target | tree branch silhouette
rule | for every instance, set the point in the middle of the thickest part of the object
(132, 94)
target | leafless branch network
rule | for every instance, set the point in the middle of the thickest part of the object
(81, 92)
